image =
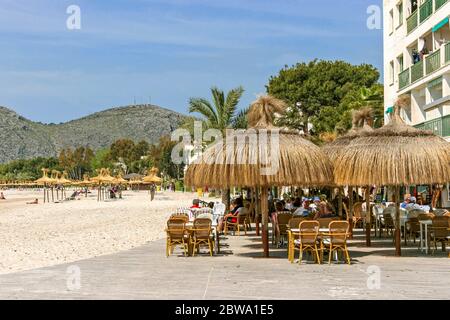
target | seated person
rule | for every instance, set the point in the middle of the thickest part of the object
(405, 203)
(296, 204)
(278, 208)
(237, 206)
(324, 210)
(36, 201)
(195, 204)
(304, 210)
(412, 204)
(2, 196)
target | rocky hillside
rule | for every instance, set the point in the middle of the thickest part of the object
(21, 138)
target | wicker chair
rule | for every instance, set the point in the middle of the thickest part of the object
(337, 239)
(439, 232)
(202, 235)
(281, 227)
(357, 214)
(388, 221)
(440, 212)
(241, 220)
(307, 241)
(177, 235)
(181, 216)
(412, 228)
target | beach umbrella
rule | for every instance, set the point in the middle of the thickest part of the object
(394, 155)
(262, 156)
(152, 177)
(46, 181)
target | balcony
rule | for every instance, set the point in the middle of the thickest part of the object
(439, 3)
(433, 62)
(412, 21)
(423, 13)
(417, 71)
(447, 53)
(439, 126)
(426, 10)
(403, 79)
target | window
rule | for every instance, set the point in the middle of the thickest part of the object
(400, 13)
(391, 72)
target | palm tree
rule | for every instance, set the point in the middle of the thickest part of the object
(219, 114)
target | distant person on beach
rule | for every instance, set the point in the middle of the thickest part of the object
(36, 201)
(2, 196)
(152, 191)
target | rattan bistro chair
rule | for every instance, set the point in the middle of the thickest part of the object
(439, 232)
(202, 234)
(281, 228)
(357, 214)
(337, 239)
(177, 235)
(181, 216)
(308, 240)
(241, 220)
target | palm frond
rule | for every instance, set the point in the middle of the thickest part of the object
(203, 107)
(231, 103)
(219, 104)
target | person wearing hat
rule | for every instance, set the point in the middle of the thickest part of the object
(406, 202)
(412, 204)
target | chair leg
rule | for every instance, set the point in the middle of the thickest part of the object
(331, 254)
(239, 230)
(317, 254)
(300, 258)
(347, 255)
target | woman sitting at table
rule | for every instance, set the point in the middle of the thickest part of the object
(237, 206)
(304, 210)
(279, 207)
(323, 210)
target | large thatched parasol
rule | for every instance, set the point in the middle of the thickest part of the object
(394, 155)
(262, 156)
(361, 124)
(152, 177)
(47, 182)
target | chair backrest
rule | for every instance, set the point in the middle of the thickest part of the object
(339, 231)
(440, 226)
(414, 213)
(283, 219)
(357, 210)
(377, 209)
(414, 225)
(439, 212)
(202, 213)
(176, 228)
(294, 223)
(309, 231)
(202, 228)
(389, 211)
(325, 222)
(182, 216)
(424, 216)
(219, 209)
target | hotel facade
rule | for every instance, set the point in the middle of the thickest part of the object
(417, 61)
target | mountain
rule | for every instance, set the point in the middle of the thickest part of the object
(21, 138)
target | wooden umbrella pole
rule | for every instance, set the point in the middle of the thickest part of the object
(350, 210)
(44, 193)
(398, 249)
(340, 202)
(53, 197)
(257, 211)
(368, 217)
(265, 220)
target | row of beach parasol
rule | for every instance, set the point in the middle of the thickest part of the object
(392, 156)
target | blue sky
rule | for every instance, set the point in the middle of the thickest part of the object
(166, 51)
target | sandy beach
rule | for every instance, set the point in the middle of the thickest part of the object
(34, 236)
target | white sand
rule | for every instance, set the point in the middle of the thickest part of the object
(34, 236)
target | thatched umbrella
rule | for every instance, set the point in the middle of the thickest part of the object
(263, 156)
(152, 177)
(394, 155)
(361, 124)
(46, 181)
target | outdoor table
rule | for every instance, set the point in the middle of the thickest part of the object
(424, 223)
(322, 231)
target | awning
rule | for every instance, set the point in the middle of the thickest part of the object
(389, 110)
(440, 25)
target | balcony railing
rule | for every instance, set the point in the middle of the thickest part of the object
(417, 71)
(403, 79)
(447, 53)
(433, 61)
(412, 21)
(439, 126)
(426, 10)
(439, 3)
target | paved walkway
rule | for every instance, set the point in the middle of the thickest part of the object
(239, 273)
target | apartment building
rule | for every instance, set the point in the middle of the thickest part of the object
(417, 61)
